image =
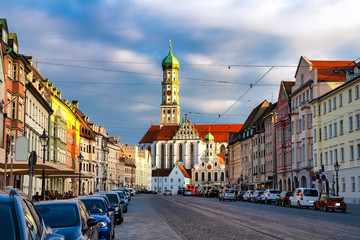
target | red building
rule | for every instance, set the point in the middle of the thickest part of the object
(283, 138)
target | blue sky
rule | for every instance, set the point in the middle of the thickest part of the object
(127, 40)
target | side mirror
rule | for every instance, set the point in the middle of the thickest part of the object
(122, 202)
(111, 209)
(91, 222)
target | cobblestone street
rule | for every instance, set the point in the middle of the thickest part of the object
(179, 217)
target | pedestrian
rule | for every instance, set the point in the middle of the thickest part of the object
(36, 197)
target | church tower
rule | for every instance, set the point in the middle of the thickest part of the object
(170, 108)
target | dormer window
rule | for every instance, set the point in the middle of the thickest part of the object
(302, 79)
(15, 48)
(4, 36)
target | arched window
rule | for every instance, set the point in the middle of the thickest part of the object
(203, 176)
(222, 176)
(180, 152)
(196, 176)
(192, 155)
(162, 159)
(209, 176)
(222, 149)
(215, 177)
(303, 182)
(170, 156)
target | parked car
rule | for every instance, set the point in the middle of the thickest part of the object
(227, 194)
(167, 193)
(21, 220)
(247, 195)
(132, 191)
(180, 191)
(123, 200)
(116, 203)
(330, 203)
(304, 197)
(188, 193)
(283, 198)
(214, 193)
(206, 193)
(240, 195)
(98, 209)
(69, 218)
(256, 196)
(270, 196)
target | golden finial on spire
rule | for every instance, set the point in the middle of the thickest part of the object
(170, 44)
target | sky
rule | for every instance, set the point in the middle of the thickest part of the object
(107, 54)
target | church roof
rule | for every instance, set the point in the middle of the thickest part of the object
(170, 62)
(162, 172)
(209, 137)
(219, 131)
(221, 158)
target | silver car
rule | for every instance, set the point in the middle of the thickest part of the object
(247, 195)
(227, 194)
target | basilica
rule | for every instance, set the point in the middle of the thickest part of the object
(199, 148)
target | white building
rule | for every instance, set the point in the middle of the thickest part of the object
(170, 179)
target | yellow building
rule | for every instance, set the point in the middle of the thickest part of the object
(336, 133)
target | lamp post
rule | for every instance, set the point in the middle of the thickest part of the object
(44, 141)
(97, 175)
(80, 157)
(337, 167)
(241, 180)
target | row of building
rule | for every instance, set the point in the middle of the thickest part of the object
(76, 150)
(309, 138)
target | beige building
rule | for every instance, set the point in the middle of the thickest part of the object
(312, 79)
(336, 131)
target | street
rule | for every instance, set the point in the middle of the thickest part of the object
(180, 217)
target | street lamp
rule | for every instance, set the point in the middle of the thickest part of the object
(80, 157)
(337, 167)
(97, 175)
(44, 141)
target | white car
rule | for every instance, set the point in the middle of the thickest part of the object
(304, 197)
(270, 195)
(247, 195)
(167, 193)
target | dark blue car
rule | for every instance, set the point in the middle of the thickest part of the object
(124, 201)
(98, 209)
(115, 202)
(69, 218)
(20, 220)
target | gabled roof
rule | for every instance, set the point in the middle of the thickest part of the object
(221, 158)
(184, 171)
(287, 85)
(255, 114)
(219, 131)
(162, 172)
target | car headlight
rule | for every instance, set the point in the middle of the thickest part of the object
(102, 224)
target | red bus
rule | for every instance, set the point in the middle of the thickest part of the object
(191, 188)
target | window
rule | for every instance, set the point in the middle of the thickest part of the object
(13, 110)
(15, 72)
(330, 131)
(331, 157)
(179, 179)
(343, 184)
(341, 127)
(326, 159)
(359, 183)
(315, 159)
(314, 111)
(334, 103)
(315, 139)
(325, 133)
(342, 156)
(303, 122)
(357, 93)
(335, 129)
(351, 124)
(340, 100)
(311, 93)
(357, 121)
(358, 151)
(350, 95)
(351, 153)
(329, 105)
(335, 155)
(20, 111)
(324, 106)
(319, 110)
(302, 79)
(353, 186)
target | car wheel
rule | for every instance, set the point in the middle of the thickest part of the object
(325, 208)
(266, 201)
(343, 210)
(283, 203)
(298, 204)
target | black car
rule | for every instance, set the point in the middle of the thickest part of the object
(21, 220)
(240, 195)
(115, 202)
(214, 193)
(69, 218)
(283, 198)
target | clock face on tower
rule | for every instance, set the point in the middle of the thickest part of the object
(168, 92)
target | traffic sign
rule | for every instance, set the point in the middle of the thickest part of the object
(21, 149)
(323, 177)
(313, 178)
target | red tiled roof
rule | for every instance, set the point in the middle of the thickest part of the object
(221, 158)
(184, 171)
(162, 172)
(219, 131)
(332, 70)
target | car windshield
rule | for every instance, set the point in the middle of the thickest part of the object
(274, 191)
(121, 194)
(94, 206)
(59, 215)
(260, 192)
(289, 194)
(112, 198)
(311, 193)
(229, 191)
(7, 226)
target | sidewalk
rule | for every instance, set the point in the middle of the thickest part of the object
(353, 208)
(143, 222)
